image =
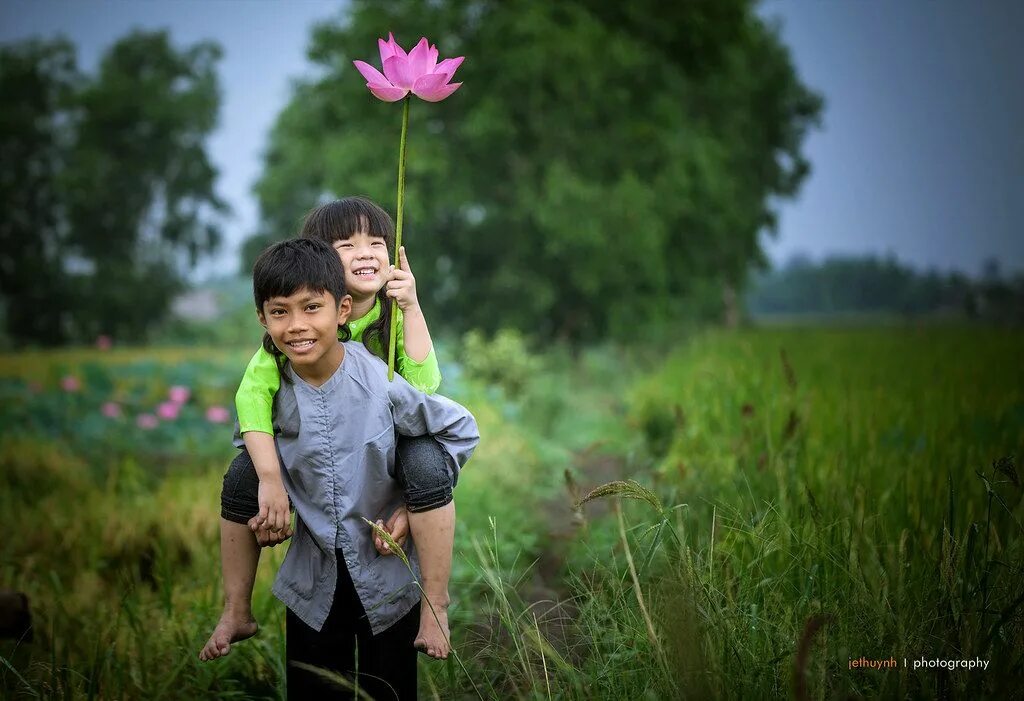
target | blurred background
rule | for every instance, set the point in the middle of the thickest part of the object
(757, 257)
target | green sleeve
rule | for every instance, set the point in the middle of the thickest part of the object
(254, 399)
(424, 375)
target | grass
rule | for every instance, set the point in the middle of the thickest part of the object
(789, 499)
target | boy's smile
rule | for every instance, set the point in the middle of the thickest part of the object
(304, 326)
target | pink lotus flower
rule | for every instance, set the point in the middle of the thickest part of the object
(146, 421)
(179, 394)
(112, 410)
(70, 383)
(168, 411)
(218, 415)
(103, 342)
(418, 72)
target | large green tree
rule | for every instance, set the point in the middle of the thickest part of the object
(109, 193)
(36, 82)
(604, 166)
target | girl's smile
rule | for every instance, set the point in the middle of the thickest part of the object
(365, 259)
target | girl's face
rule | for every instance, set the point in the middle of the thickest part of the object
(365, 259)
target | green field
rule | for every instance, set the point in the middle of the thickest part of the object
(800, 498)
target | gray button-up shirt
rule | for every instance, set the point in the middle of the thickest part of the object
(337, 448)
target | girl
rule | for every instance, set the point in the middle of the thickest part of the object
(253, 497)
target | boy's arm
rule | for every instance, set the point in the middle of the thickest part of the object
(254, 402)
(417, 413)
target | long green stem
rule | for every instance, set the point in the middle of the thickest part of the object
(398, 234)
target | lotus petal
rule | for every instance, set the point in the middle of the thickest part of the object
(371, 74)
(429, 84)
(449, 66)
(419, 60)
(386, 50)
(396, 70)
(439, 94)
(388, 92)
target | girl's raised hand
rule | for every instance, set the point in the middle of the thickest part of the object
(401, 285)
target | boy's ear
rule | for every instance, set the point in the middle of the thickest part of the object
(344, 309)
(261, 317)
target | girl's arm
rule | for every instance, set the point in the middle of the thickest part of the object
(254, 402)
(414, 355)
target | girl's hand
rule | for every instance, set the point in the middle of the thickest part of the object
(401, 284)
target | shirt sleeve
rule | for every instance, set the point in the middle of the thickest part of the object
(424, 375)
(417, 413)
(254, 400)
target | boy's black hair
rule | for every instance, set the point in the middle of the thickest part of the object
(340, 220)
(289, 266)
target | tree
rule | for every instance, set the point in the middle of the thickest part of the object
(128, 203)
(36, 82)
(603, 166)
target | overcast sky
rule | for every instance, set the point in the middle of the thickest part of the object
(921, 152)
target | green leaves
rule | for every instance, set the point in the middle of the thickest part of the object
(119, 201)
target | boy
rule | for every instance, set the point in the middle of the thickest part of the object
(335, 420)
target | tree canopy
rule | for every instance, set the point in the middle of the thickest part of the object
(603, 166)
(106, 182)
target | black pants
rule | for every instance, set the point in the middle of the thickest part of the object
(383, 665)
(422, 467)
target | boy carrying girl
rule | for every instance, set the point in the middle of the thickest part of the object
(335, 419)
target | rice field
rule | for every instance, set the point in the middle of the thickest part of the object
(799, 512)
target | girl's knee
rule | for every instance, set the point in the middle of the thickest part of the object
(425, 472)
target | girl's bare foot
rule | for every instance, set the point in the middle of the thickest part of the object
(230, 629)
(433, 636)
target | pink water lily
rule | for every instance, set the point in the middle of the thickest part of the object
(112, 410)
(147, 421)
(418, 72)
(179, 394)
(168, 411)
(218, 415)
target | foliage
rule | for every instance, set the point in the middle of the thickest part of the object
(504, 361)
(858, 484)
(106, 183)
(599, 169)
(844, 284)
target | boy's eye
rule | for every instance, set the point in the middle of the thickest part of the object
(313, 307)
(276, 312)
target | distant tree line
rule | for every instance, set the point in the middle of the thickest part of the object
(106, 188)
(874, 284)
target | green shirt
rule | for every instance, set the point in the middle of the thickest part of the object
(254, 399)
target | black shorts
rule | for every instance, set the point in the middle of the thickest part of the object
(422, 467)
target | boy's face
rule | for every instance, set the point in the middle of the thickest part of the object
(304, 326)
(365, 259)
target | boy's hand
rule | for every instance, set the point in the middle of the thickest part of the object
(273, 501)
(401, 284)
(397, 527)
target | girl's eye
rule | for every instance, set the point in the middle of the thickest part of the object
(378, 243)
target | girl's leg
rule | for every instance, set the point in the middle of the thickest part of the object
(426, 474)
(239, 556)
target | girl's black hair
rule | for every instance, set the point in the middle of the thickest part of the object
(289, 266)
(340, 220)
